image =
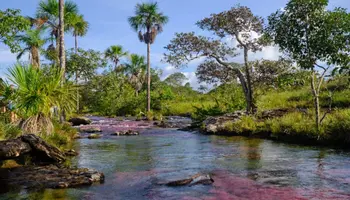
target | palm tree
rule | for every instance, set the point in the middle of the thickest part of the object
(115, 53)
(79, 28)
(148, 22)
(136, 69)
(36, 94)
(48, 13)
(33, 42)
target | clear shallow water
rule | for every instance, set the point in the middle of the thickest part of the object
(242, 168)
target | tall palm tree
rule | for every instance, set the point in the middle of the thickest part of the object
(48, 13)
(148, 22)
(33, 42)
(136, 70)
(115, 53)
(61, 38)
(79, 28)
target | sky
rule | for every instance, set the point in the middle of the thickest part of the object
(109, 26)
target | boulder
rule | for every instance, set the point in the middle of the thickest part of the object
(90, 129)
(198, 179)
(217, 123)
(94, 136)
(49, 176)
(14, 148)
(39, 150)
(126, 133)
(77, 121)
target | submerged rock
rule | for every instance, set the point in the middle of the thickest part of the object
(49, 176)
(37, 148)
(94, 136)
(126, 133)
(198, 179)
(77, 121)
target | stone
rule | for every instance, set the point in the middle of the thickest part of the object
(50, 176)
(217, 124)
(71, 153)
(14, 148)
(77, 121)
(198, 179)
(94, 136)
(90, 129)
(126, 133)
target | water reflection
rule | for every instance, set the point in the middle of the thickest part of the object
(242, 168)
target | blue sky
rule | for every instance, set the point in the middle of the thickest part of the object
(109, 26)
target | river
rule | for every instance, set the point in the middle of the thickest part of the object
(242, 168)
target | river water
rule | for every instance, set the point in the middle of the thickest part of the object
(242, 168)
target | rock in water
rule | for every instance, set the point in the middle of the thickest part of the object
(198, 179)
(126, 133)
(94, 136)
(77, 121)
(90, 129)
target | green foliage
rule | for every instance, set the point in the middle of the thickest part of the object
(148, 18)
(9, 131)
(36, 94)
(176, 79)
(11, 24)
(247, 124)
(84, 62)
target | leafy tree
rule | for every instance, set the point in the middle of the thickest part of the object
(36, 94)
(177, 79)
(148, 22)
(33, 43)
(11, 24)
(136, 70)
(114, 53)
(84, 65)
(203, 88)
(312, 35)
(238, 23)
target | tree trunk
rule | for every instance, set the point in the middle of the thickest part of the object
(251, 108)
(76, 73)
(148, 77)
(61, 40)
(315, 93)
(35, 58)
(62, 50)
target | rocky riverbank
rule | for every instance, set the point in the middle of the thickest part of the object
(45, 169)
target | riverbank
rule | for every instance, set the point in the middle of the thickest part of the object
(285, 125)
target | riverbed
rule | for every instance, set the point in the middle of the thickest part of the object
(242, 168)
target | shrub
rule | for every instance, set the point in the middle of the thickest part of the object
(247, 124)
